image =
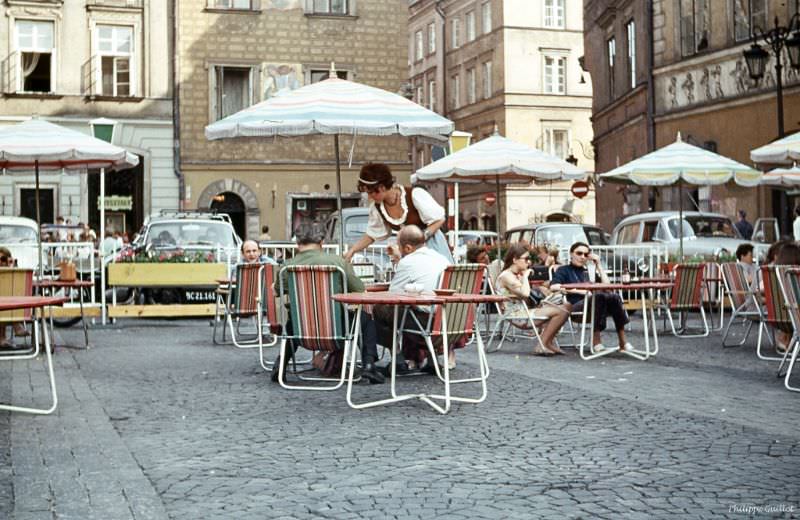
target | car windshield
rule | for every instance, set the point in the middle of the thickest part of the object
(566, 235)
(712, 227)
(466, 238)
(674, 230)
(356, 226)
(190, 234)
(17, 234)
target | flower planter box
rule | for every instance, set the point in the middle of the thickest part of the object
(131, 274)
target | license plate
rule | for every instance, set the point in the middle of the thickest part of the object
(200, 296)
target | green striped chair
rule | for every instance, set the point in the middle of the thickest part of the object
(252, 296)
(459, 324)
(686, 296)
(790, 289)
(744, 302)
(319, 324)
(776, 313)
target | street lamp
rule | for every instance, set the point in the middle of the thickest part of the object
(777, 38)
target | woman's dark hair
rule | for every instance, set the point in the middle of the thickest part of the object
(743, 250)
(514, 251)
(774, 250)
(373, 175)
(576, 245)
(473, 252)
(789, 254)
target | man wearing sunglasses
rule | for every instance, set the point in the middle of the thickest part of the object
(606, 303)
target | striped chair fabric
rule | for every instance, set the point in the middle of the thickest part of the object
(319, 322)
(243, 295)
(465, 279)
(688, 285)
(15, 282)
(777, 313)
(734, 276)
(791, 292)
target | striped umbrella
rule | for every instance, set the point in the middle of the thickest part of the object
(36, 145)
(682, 163)
(501, 160)
(334, 106)
(786, 177)
(782, 151)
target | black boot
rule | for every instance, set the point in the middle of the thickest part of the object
(370, 373)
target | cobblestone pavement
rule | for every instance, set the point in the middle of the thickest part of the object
(155, 422)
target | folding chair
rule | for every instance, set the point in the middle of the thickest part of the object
(744, 302)
(252, 296)
(686, 296)
(714, 293)
(776, 315)
(319, 324)
(790, 289)
(513, 317)
(16, 282)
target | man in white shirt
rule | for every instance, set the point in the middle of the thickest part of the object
(419, 265)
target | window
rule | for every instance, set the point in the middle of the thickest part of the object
(329, 6)
(432, 94)
(556, 141)
(554, 14)
(232, 90)
(628, 234)
(470, 26)
(418, 45)
(471, 95)
(456, 91)
(431, 38)
(694, 16)
(420, 95)
(234, 4)
(35, 56)
(317, 75)
(554, 74)
(487, 80)
(114, 68)
(611, 46)
(747, 15)
(486, 17)
(455, 27)
(630, 28)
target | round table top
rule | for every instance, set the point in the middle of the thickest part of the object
(387, 298)
(633, 286)
(9, 303)
(63, 283)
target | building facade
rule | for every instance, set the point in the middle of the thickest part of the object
(513, 66)
(700, 87)
(234, 53)
(71, 62)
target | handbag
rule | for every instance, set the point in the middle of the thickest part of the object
(554, 298)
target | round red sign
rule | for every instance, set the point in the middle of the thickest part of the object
(580, 189)
(490, 198)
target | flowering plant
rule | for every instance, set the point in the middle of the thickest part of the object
(166, 257)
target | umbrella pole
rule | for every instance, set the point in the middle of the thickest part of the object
(39, 221)
(680, 218)
(100, 244)
(499, 220)
(339, 194)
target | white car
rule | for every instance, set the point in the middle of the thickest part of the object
(470, 236)
(20, 235)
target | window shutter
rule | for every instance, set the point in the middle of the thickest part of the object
(309, 6)
(214, 79)
(351, 7)
(255, 5)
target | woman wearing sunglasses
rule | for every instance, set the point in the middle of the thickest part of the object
(606, 303)
(7, 260)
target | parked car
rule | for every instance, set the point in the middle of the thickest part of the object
(20, 235)
(355, 226)
(470, 236)
(557, 234)
(703, 233)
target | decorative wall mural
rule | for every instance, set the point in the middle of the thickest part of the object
(277, 78)
(688, 88)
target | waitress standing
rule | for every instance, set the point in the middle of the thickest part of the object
(393, 206)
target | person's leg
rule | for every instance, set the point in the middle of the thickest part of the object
(369, 350)
(616, 309)
(383, 318)
(600, 317)
(558, 316)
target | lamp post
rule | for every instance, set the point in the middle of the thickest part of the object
(776, 38)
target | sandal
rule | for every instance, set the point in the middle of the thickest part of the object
(538, 350)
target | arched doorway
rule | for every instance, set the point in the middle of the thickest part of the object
(232, 204)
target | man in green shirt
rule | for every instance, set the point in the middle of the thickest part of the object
(309, 238)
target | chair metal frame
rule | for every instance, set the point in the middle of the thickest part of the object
(686, 295)
(253, 296)
(322, 305)
(789, 280)
(744, 302)
(775, 311)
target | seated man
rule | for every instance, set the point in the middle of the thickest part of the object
(419, 265)
(606, 303)
(744, 256)
(251, 254)
(309, 237)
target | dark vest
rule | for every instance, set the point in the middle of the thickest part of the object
(412, 216)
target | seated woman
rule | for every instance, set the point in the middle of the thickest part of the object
(513, 282)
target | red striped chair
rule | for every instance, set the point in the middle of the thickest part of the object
(686, 296)
(459, 325)
(744, 302)
(252, 296)
(319, 324)
(790, 289)
(776, 313)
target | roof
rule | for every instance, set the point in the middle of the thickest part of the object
(541, 224)
(663, 214)
(18, 221)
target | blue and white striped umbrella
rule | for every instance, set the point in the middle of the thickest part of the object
(333, 106)
(500, 159)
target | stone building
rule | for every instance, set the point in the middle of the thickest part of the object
(511, 65)
(701, 87)
(71, 62)
(234, 53)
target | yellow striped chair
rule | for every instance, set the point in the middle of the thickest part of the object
(790, 289)
(319, 324)
(686, 296)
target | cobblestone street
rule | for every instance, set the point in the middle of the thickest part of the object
(155, 422)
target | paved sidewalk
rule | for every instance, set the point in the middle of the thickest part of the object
(155, 422)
